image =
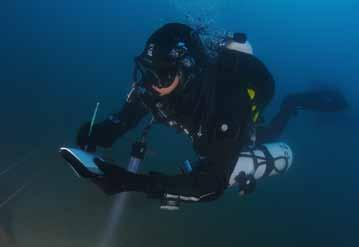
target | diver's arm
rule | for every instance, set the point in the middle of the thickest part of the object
(209, 178)
(206, 182)
(105, 133)
(227, 135)
(121, 122)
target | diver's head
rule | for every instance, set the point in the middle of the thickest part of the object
(238, 42)
(165, 71)
(169, 61)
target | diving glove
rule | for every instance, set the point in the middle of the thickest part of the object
(114, 177)
(102, 135)
(117, 179)
(320, 101)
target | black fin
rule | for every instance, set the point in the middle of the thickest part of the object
(319, 100)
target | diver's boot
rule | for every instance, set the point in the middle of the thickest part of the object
(320, 101)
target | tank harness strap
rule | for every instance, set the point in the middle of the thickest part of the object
(255, 158)
(268, 160)
(271, 161)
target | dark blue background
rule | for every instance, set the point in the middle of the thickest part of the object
(59, 57)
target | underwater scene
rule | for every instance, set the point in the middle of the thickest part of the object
(89, 88)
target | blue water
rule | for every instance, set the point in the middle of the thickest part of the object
(58, 58)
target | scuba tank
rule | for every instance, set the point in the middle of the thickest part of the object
(259, 162)
(262, 161)
(254, 163)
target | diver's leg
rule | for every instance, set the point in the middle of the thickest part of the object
(272, 131)
(317, 101)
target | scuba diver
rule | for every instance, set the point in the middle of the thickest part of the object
(218, 104)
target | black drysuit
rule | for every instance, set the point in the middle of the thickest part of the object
(216, 111)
